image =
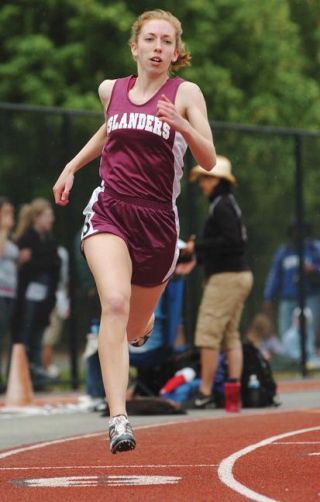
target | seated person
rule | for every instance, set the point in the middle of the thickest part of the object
(261, 333)
(262, 336)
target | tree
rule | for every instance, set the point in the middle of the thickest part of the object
(252, 59)
(306, 15)
(56, 52)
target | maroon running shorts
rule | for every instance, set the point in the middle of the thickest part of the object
(149, 228)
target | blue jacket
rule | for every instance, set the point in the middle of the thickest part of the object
(283, 278)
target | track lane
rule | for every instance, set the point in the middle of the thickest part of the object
(177, 461)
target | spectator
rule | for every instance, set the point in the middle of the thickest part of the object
(37, 279)
(262, 335)
(291, 338)
(221, 250)
(283, 283)
(58, 317)
(9, 254)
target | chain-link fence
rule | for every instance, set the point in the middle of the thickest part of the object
(276, 169)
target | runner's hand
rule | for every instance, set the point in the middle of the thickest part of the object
(62, 188)
(166, 111)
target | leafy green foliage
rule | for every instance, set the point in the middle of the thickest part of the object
(256, 62)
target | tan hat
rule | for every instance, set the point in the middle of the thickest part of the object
(222, 169)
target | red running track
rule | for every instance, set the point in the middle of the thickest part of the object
(272, 456)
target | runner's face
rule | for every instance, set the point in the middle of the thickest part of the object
(155, 49)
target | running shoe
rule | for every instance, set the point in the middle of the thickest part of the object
(120, 434)
(202, 401)
(138, 342)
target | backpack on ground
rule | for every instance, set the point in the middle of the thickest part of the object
(257, 370)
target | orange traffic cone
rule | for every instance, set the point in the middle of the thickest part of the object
(19, 388)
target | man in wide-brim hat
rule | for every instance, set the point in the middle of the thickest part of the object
(221, 250)
(222, 169)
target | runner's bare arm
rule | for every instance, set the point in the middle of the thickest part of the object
(191, 121)
(89, 152)
(92, 149)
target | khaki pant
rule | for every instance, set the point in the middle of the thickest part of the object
(220, 310)
(52, 333)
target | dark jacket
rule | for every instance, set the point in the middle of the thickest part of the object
(223, 242)
(43, 268)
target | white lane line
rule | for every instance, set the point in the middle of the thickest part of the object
(94, 481)
(132, 466)
(47, 410)
(16, 451)
(222, 466)
(226, 466)
(313, 454)
(250, 413)
(37, 446)
(297, 442)
(125, 480)
(7, 413)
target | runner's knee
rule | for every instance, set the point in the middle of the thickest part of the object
(115, 305)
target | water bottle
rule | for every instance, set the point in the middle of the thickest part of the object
(254, 392)
(232, 401)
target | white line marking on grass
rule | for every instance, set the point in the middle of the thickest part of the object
(226, 466)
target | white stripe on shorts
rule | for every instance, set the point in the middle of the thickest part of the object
(89, 212)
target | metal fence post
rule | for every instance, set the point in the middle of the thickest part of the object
(72, 331)
(300, 248)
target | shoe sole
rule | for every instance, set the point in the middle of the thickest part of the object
(201, 404)
(123, 445)
(139, 342)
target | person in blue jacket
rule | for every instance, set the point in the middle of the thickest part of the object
(283, 283)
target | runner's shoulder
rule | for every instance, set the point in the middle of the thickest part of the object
(105, 90)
